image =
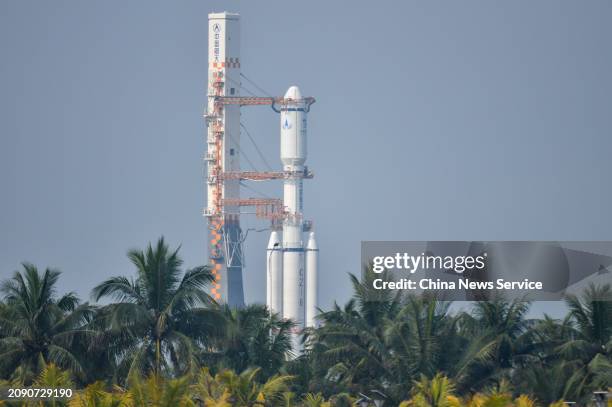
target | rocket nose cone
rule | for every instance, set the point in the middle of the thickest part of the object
(274, 241)
(312, 242)
(293, 93)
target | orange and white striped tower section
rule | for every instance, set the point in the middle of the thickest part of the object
(222, 156)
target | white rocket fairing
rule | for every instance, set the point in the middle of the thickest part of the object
(296, 286)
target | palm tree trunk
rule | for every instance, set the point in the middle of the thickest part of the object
(157, 355)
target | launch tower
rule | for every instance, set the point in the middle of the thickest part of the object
(225, 251)
(291, 269)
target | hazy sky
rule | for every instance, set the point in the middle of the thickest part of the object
(471, 120)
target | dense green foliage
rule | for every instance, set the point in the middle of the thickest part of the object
(160, 339)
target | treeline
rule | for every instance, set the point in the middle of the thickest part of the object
(157, 338)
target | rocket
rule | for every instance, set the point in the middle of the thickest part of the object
(292, 263)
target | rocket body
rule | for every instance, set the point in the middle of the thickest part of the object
(296, 286)
(293, 156)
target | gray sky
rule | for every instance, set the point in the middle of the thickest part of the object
(472, 120)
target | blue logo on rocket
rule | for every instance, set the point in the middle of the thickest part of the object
(287, 124)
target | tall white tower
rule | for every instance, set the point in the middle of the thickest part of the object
(223, 140)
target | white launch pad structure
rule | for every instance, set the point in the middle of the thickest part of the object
(292, 262)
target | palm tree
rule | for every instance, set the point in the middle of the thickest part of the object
(505, 322)
(385, 341)
(252, 338)
(588, 347)
(545, 380)
(208, 391)
(360, 323)
(499, 326)
(232, 389)
(437, 392)
(37, 326)
(314, 400)
(349, 350)
(524, 401)
(96, 395)
(159, 392)
(160, 316)
(52, 377)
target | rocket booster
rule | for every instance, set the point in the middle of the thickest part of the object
(312, 266)
(274, 274)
